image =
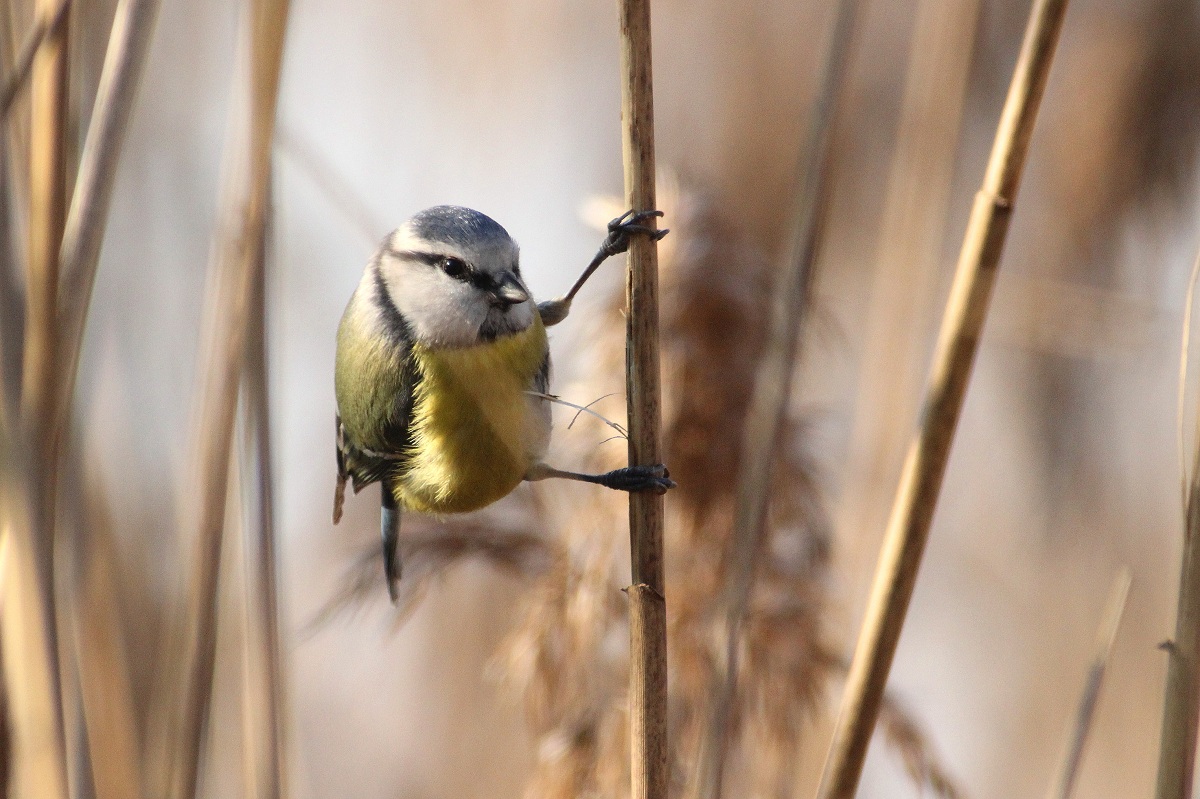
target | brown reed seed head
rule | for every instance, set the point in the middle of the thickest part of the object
(569, 657)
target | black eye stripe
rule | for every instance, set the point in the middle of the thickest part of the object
(459, 270)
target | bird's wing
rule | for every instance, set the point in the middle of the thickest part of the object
(363, 463)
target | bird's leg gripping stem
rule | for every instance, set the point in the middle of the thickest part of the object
(619, 232)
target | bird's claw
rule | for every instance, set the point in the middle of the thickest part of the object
(627, 224)
(655, 479)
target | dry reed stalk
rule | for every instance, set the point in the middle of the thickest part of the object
(38, 764)
(30, 628)
(245, 226)
(925, 463)
(113, 742)
(83, 234)
(12, 307)
(22, 65)
(272, 782)
(1181, 695)
(17, 17)
(647, 594)
(568, 657)
(1063, 786)
(771, 389)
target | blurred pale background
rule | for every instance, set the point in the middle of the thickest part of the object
(1065, 467)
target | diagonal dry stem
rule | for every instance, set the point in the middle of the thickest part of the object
(954, 355)
(1067, 772)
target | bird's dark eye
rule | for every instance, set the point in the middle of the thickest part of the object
(454, 267)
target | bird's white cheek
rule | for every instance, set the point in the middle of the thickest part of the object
(439, 314)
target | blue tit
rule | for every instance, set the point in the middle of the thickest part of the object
(443, 368)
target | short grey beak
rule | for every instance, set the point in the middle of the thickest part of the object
(509, 290)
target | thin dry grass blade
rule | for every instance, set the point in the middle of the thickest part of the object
(246, 221)
(904, 734)
(925, 464)
(334, 187)
(772, 387)
(648, 626)
(1067, 773)
(128, 46)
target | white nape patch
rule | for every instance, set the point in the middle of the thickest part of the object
(442, 311)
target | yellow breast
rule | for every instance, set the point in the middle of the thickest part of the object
(476, 431)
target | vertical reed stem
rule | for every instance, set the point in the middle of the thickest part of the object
(272, 772)
(86, 222)
(240, 260)
(31, 644)
(1181, 696)
(648, 619)
(925, 464)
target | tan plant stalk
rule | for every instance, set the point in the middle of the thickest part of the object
(23, 63)
(87, 217)
(239, 260)
(38, 758)
(1181, 696)
(647, 594)
(1067, 773)
(954, 355)
(264, 601)
(771, 389)
(29, 629)
(113, 742)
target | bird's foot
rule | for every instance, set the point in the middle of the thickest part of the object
(655, 479)
(626, 225)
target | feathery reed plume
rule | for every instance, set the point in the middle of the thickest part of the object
(567, 657)
(1067, 773)
(431, 547)
(647, 594)
(920, 482)
(771, 388)
(245, 224)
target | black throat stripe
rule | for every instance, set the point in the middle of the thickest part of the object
(393, 322)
